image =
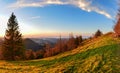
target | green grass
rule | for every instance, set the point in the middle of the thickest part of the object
(102, 55)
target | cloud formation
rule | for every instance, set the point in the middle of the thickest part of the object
(86, 5)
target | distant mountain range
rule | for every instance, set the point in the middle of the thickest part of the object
(43, 41)
(37, 43)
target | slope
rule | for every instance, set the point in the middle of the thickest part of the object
(98, 55)
(30, 44)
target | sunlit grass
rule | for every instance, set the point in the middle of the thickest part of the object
(99, 55)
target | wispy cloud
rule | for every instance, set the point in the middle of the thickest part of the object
(85, 5)
(35, 17)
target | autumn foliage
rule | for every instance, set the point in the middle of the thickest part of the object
(117, 26)
(63, 45)
(13, 47)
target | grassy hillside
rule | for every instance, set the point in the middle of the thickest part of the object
(100, 55)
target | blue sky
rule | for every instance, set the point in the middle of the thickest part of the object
(54, 17)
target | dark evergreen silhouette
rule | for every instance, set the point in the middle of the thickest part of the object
(98, 33)
(78, 40)
(13, 48)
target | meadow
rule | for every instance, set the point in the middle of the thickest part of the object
(98, 55)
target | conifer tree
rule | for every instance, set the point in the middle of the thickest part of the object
(98, 33)
(13, 48)
(78, 40)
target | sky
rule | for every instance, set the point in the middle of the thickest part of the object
(51, 18)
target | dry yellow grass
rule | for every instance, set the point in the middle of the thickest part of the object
(99, 55)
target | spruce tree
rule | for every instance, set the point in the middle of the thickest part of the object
(13, 48)
(98, 33)
(78, 40)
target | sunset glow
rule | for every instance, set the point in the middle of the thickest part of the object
(51, 18)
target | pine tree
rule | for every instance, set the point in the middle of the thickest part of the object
(13, 48)
(78, 40)
(98, 33)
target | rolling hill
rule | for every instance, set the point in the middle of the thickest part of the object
(30, 44)
(36, 44)
(98, 55)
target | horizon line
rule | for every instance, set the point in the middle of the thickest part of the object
(53, 35)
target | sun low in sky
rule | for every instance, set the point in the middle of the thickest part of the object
(50, 18)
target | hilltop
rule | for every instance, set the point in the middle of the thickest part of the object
(96, 55)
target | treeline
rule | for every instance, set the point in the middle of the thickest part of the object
(61, 46)
(13, 46)
(14, 49)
